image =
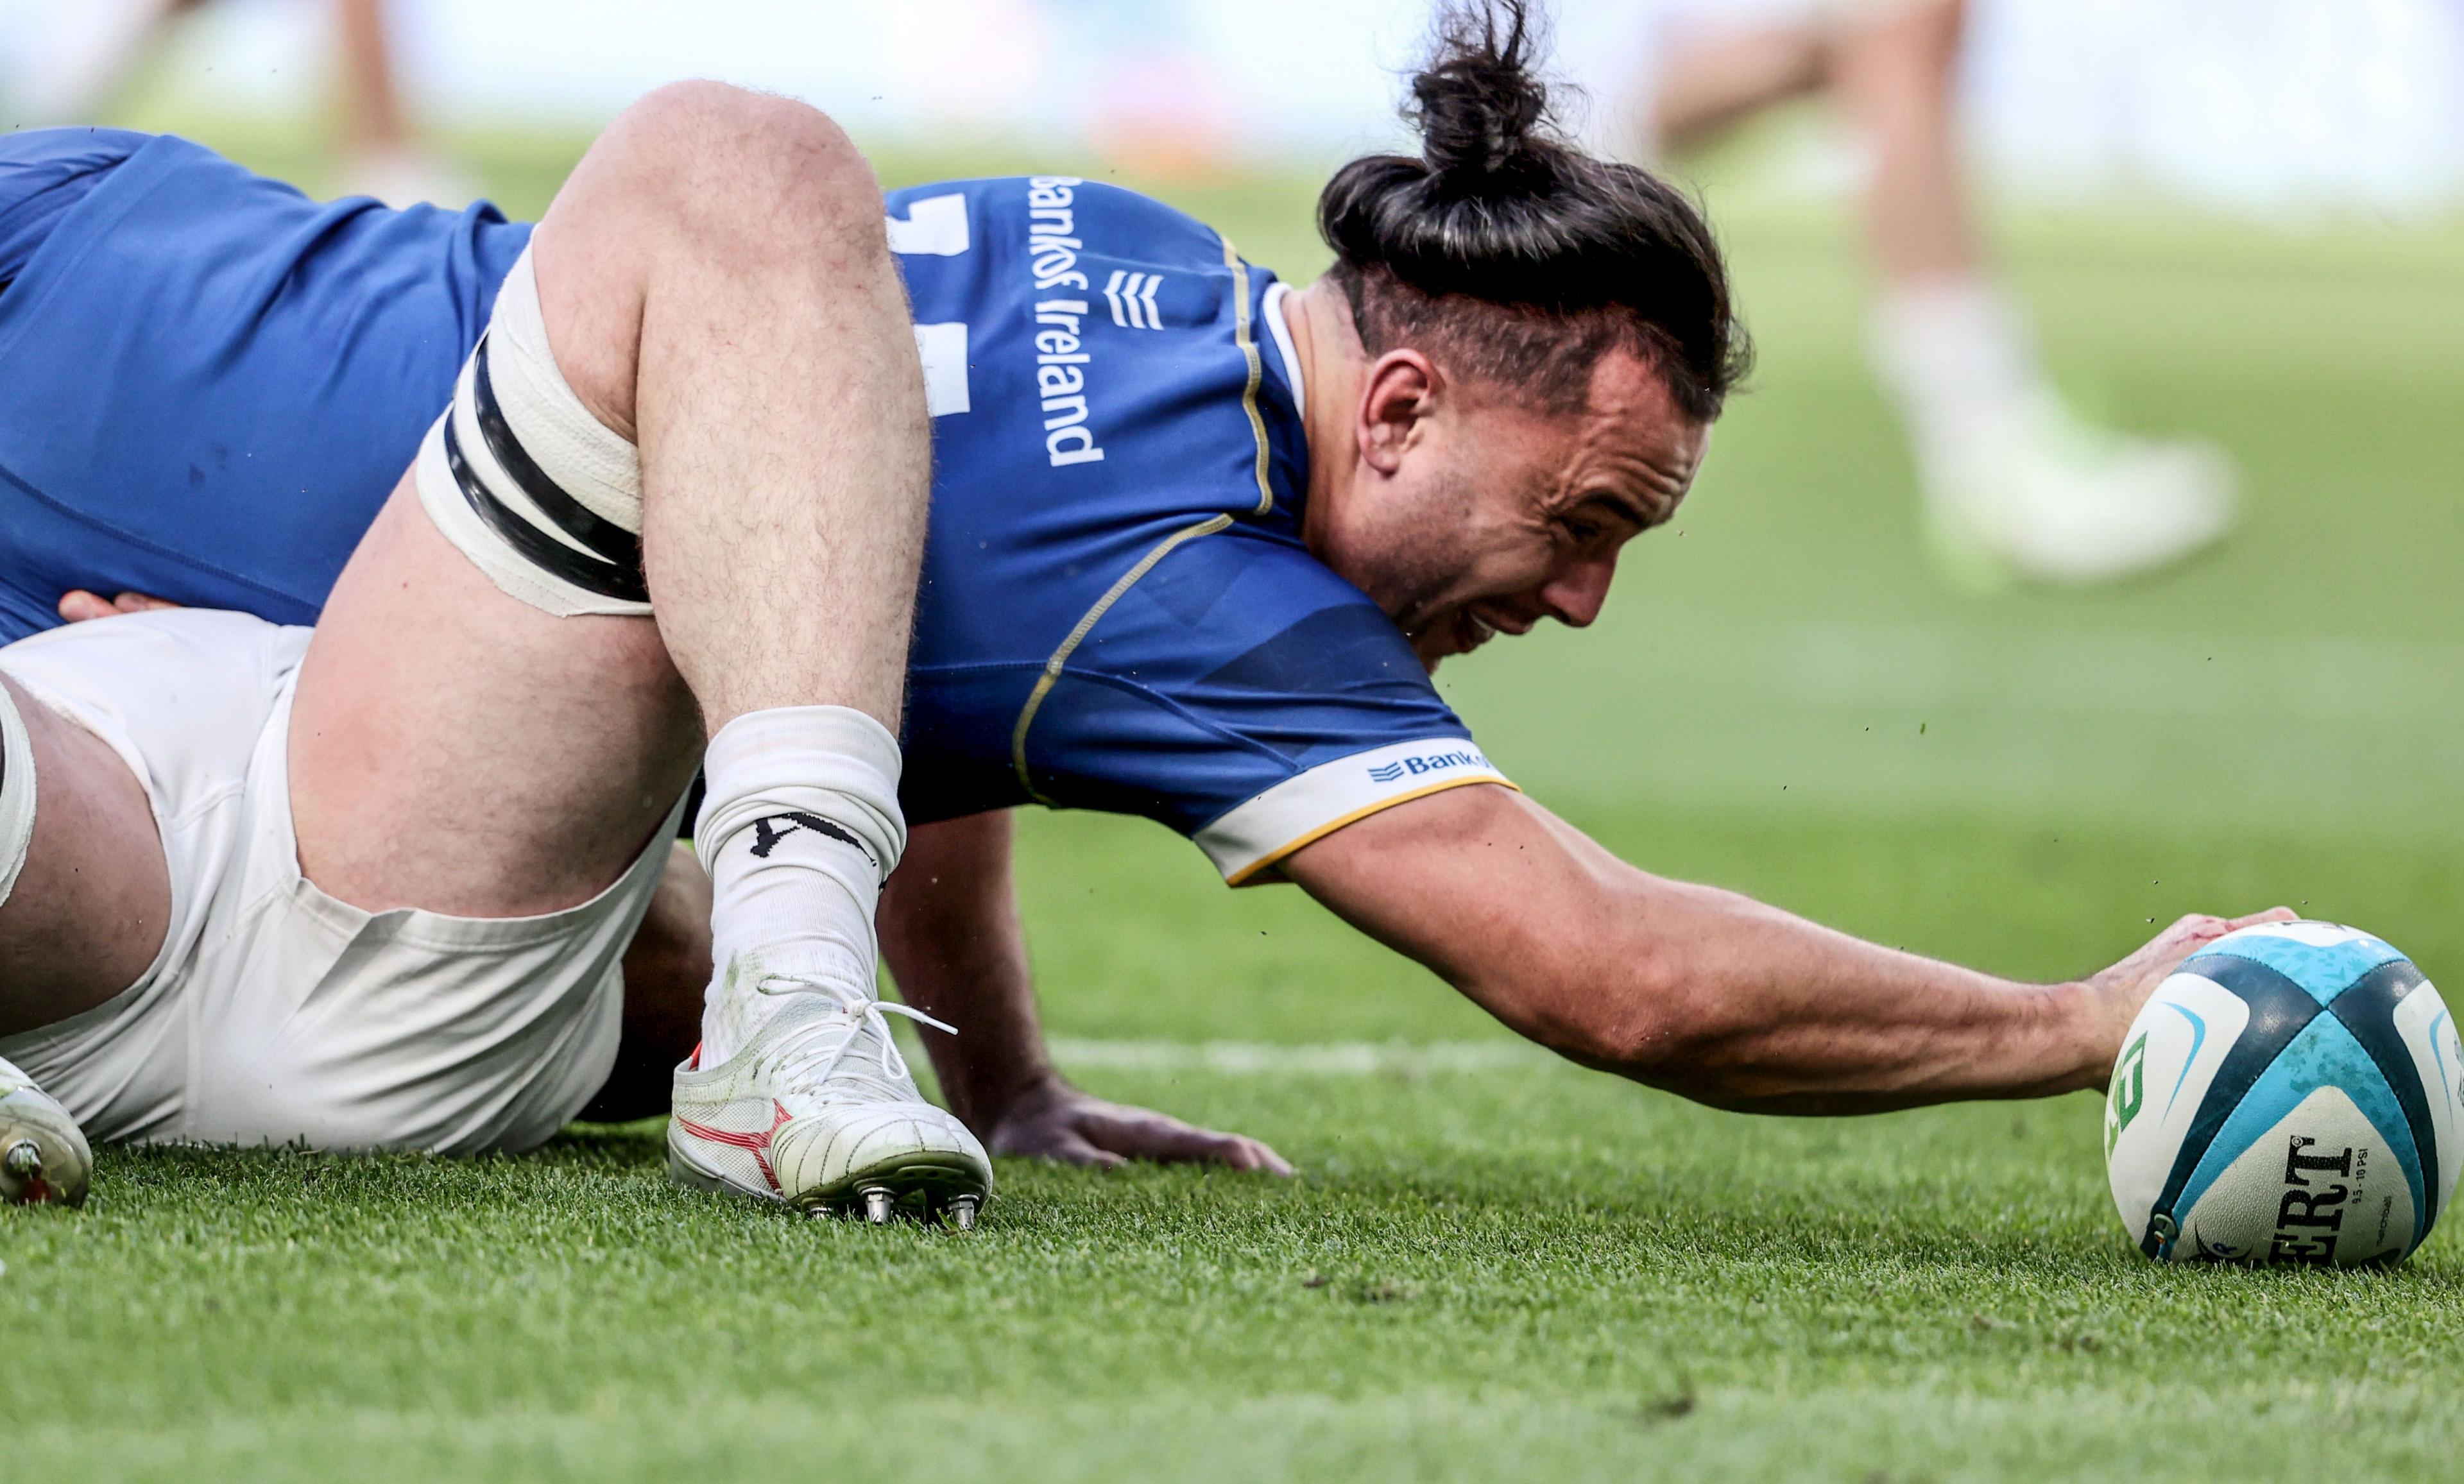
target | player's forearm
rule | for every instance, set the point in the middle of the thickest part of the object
(1739, 1004)
(1696, 990)
(951, 934)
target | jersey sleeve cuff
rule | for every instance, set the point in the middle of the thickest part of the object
(1245, 842)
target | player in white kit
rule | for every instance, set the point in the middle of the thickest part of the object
(673, 519)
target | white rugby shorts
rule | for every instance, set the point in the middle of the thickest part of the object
(274, 1014)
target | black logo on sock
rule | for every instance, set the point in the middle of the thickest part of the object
(767, 832)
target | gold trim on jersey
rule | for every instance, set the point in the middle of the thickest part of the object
(1044, 682)
(1244, 335)
(1254, 872)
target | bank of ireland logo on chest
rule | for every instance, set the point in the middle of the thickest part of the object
(1060, 356)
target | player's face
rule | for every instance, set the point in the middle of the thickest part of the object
(1496, 515)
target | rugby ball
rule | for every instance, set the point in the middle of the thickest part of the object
(2293, 1094)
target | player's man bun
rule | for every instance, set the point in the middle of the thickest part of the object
(1507, 242)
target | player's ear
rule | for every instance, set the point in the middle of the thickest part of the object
(1400, 393)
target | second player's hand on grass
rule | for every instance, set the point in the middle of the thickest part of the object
(78, 605)
(1056, 1120)
(2125, 988)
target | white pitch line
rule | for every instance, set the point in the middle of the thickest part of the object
(1320, 1059)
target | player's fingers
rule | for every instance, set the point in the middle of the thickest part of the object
(1170, 1140)
(1243, 1152)
(2195, 927)
(1049, 1138)
(2274, 914)
(1070, 1149)
(1268, 1159)
(78, 605)
(1184, 1145)
(1152, 1136)
(139, 602)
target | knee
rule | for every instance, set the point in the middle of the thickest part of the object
(729, 163)
(1909, 43)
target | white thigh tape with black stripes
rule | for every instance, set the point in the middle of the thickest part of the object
(16, 792)
(541, 495)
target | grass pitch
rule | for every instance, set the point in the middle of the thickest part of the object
(1492, 1264)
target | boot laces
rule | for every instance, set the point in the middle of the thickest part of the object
(833, 1037)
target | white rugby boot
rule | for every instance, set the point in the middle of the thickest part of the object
(818, 1111)
(2017, 487)
(44, 1160)
(2052, 500)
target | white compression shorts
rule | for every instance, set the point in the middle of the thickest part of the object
(273, 1013)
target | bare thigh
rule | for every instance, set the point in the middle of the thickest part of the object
(89, 910)
(715, 286)
(456, 750)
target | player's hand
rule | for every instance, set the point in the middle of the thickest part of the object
(2123, 990)
(78, 605)
(1056, 1120)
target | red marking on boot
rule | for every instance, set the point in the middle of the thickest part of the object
(756, 1144)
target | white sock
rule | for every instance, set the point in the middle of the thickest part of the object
(1956, 356)
(799, 830)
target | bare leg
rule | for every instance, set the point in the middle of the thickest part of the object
(716, 287)
(2012, 484)
(372, 113)
(89, 909)
(716, 300)
(1893, 73)
(382, 155)
(1713, 81)
(86, 900)
(1895, 76)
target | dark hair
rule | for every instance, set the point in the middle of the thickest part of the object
(1509, 253)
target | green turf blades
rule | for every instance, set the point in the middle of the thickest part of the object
(1503, 1264)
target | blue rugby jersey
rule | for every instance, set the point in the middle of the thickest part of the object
(1116, 612)
(1116, 570)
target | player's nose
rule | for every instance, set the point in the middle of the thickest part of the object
(1576, 596)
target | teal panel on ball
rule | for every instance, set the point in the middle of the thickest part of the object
(2324, 970)
(2324, 1055)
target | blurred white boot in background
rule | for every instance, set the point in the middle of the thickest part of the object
(2014, 484)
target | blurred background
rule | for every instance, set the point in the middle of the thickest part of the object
(2285, 108)
(2219, 232)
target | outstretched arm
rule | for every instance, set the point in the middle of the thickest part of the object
(1703, 991)
(951, 934)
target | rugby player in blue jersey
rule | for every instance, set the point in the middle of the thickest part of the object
(1195, 542)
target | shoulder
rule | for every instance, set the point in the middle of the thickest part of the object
(1244, 693)
(1244, 626)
